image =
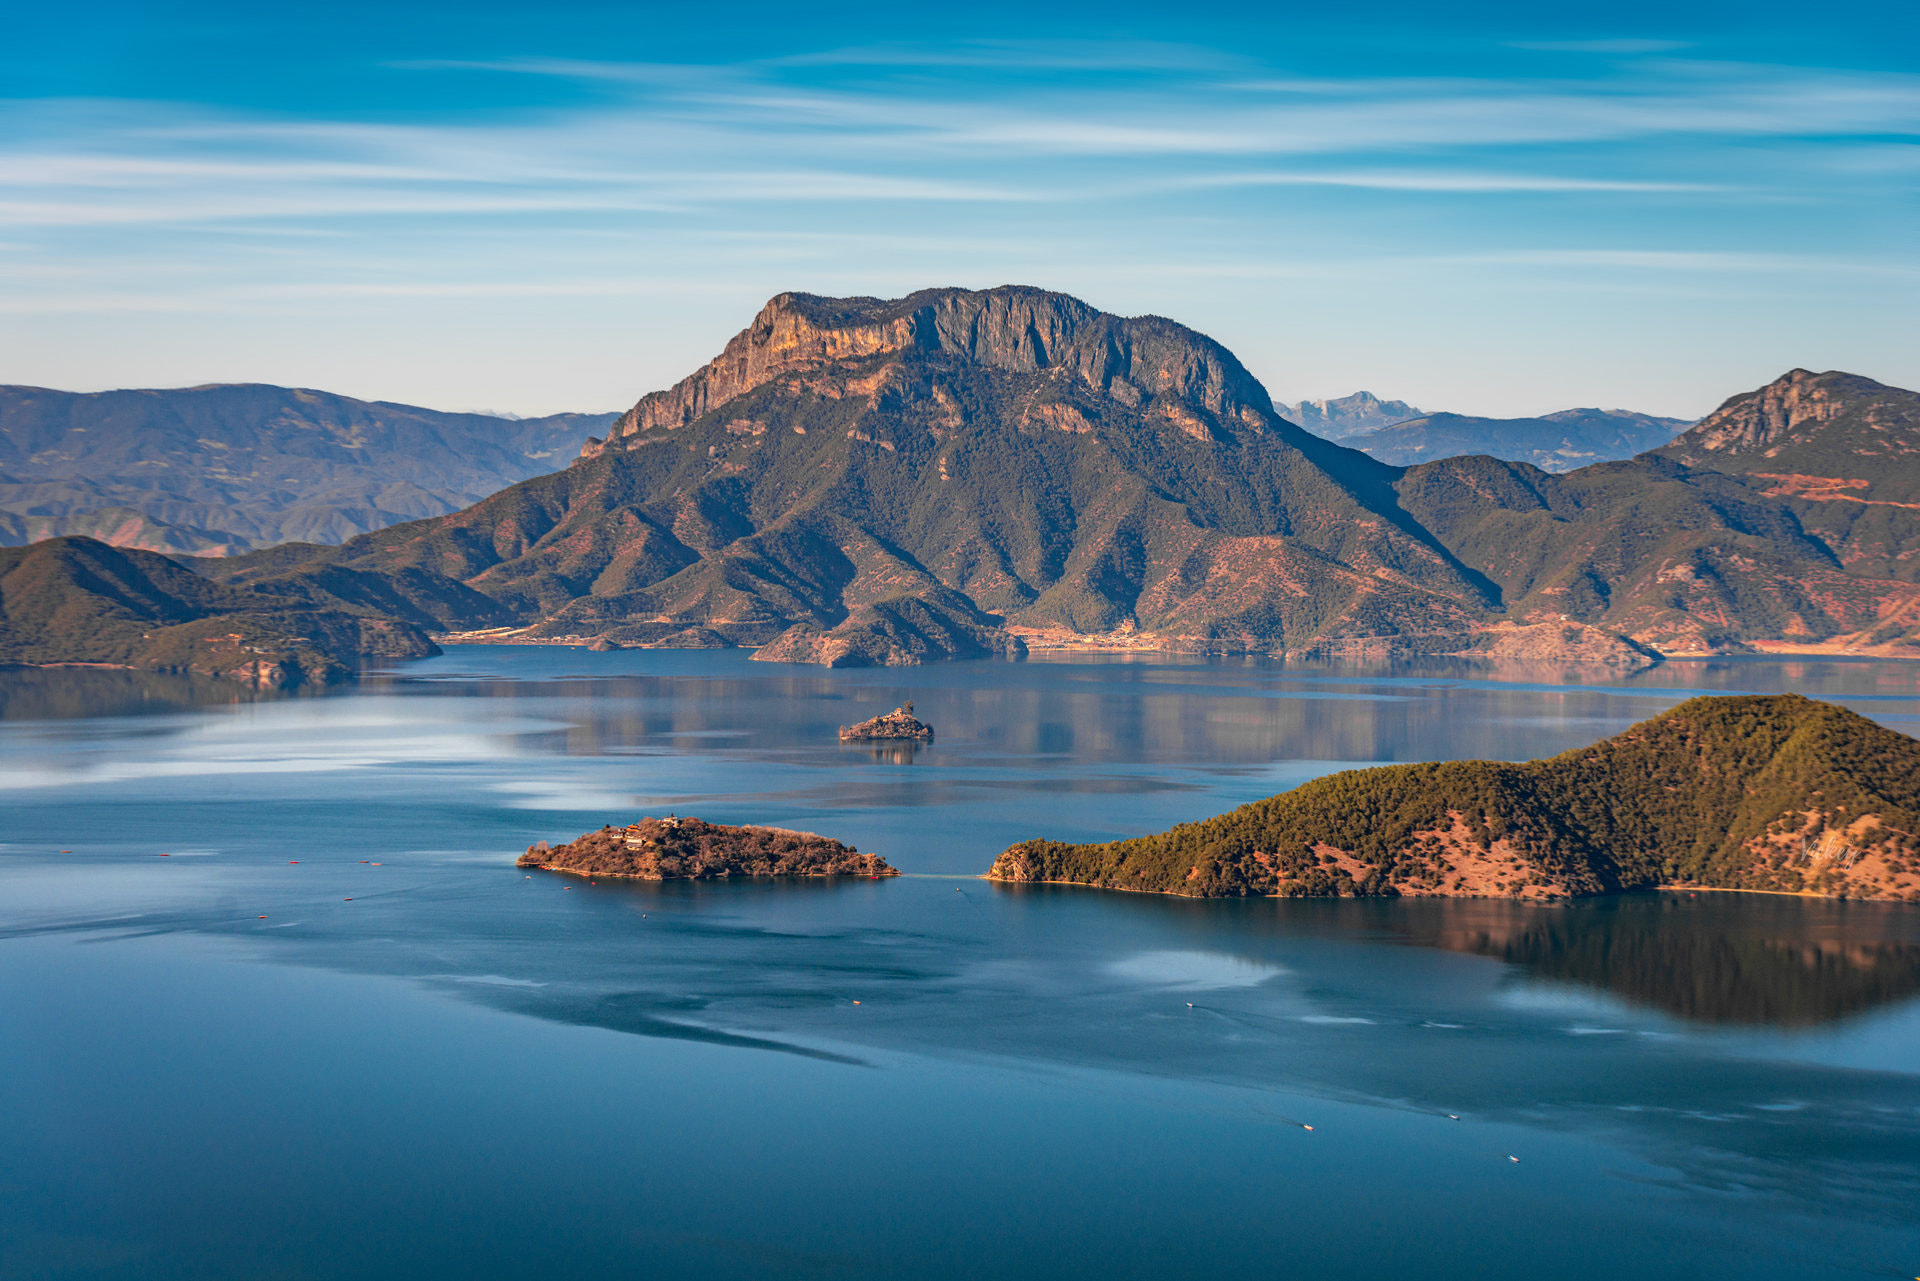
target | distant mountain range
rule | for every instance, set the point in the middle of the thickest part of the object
(218, 469)
(963, 473)
(1558, 442)
(1347, 416)
(1395, 432)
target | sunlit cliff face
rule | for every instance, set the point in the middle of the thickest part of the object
(1012, 328)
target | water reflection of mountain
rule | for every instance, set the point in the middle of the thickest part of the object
(66, 693)
(1224, 712)
(1755, 962)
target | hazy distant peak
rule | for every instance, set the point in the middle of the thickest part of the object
(1344, 416)
(1561, 441)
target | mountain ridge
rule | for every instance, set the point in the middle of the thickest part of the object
(964, 473)
(75, 601)
(225, 467)
(1565, 440)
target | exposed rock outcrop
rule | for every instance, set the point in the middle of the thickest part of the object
(671, 848)
(1790, 409)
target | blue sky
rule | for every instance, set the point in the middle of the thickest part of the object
(1477, 207)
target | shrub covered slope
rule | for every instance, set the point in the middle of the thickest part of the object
(1773, 792)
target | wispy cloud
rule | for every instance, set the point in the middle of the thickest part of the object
(1157, 57)
(1464, 182)
(1693, 260)
(738, 135)
(1619, 164)
(1610, 46)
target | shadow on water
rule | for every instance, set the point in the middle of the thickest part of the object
(1738, 960)
(69, 693)
(640, 1014)
(1782, 963)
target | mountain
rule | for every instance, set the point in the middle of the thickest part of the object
(1843, 450)
(1676, 560)
(80, 602)
(1773, 792)
(863, 480)
(964, 473)
(1555, 442)
(117, 527)
(217, 469)
(1347, 416)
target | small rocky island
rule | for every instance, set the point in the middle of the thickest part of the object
(897, 725)
(1769, 793)
(670, 848)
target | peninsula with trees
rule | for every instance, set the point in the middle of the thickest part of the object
(1773, 793)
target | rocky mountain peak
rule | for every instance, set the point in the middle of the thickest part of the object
(1012, 328)
(1791, 408)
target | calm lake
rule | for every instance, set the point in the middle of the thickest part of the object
(334, 1033)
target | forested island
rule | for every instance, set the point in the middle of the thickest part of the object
(1771, 793)
(672, 848)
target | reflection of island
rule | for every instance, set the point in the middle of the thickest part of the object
(1797, 964)
(887, 753)
(66, 693)
(659, 849)
(897, 725)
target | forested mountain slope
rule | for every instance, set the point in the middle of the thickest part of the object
(80, 601)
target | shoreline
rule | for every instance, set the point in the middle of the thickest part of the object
(1361, 651)
(743, 876)
(1555, 899)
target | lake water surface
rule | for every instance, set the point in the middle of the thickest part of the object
(334, 1033)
